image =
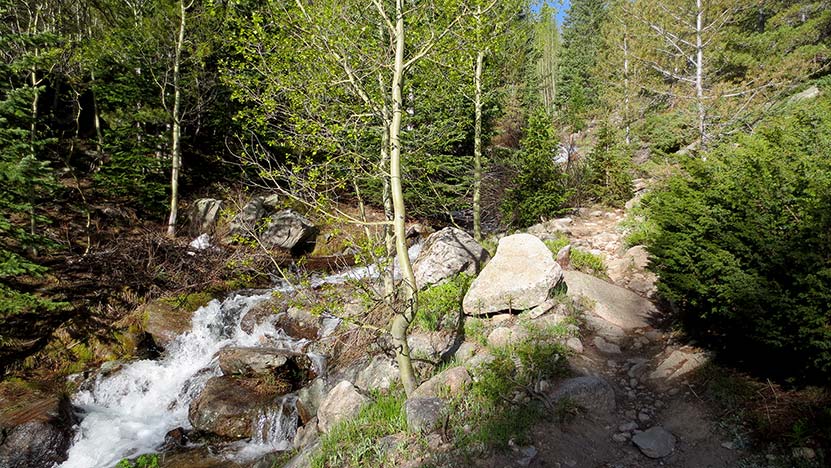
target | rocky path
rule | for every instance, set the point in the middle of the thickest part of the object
(642, 411)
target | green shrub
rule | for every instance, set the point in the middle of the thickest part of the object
(439, 305)
(743, 245)
(538, 190)
(609, 166)
(148, 460)
(516, 368)
(666, 133)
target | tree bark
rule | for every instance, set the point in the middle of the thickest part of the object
(699, 74)
(176, 159)
(477, 148)
(405, 315)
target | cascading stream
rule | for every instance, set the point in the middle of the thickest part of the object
(128, 412)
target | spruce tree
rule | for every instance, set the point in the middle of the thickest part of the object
(25, 178)
(578, 86)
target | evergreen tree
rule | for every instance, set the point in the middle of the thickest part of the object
(547, 54)
(582, 39)
(24, 176)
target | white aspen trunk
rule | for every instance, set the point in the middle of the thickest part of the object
(699, 73)
(405, 316)
(99, 146)
(477, 148)
(389, 235)
(176, 160)
(626, 90)
(477, 130)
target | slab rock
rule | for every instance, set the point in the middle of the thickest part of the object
(655, 442)
(520, 276)
(446, 253)
(342, 402)
(591, 393)
(614, 304)
(289, 229)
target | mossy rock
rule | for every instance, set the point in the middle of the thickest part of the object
(166, 318)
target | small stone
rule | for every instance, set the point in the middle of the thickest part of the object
(628, 427)
(575, 345)
(621, 437)
(673, 392)
(643, 416)
(527, 455)
(728, 445)
(655, 442)
(633, 382)
(606, 347)
(804, 453)
(630, 414)
(501, 318)
(504, 336)
(612, 364)
(653, 335)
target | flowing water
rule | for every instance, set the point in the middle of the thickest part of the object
(128, 413)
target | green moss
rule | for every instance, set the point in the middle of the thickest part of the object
(189, 301)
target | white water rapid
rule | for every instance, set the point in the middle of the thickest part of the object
(129, 412)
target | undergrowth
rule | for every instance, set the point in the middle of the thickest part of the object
(581, 260)
(355, 442)
(501, 405)
(439, 305)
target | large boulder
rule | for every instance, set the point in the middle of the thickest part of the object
(520, 276)
(229, 406)
(446, 253)
(614, 304)
(290, 230)
(235, 360)
(204, 215)
(342, 402)
(37, 434)
(245, 222)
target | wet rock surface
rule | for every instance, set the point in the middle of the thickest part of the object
(227, 406)
(37, 434)
(290, 366)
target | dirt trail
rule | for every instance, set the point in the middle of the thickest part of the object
(647, 370)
